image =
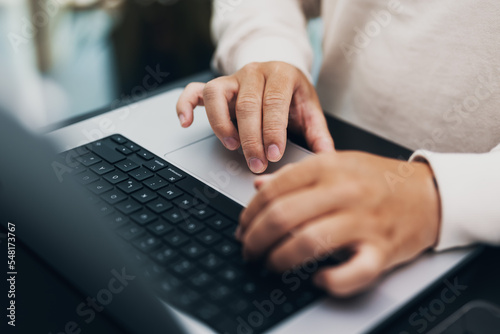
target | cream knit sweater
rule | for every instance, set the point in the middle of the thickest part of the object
(425, 74)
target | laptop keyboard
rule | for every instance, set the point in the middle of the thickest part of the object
(181, 232)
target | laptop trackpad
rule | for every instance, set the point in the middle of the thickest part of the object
(227, 170)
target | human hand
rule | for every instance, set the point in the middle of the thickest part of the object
(265, 99)
(335, 201)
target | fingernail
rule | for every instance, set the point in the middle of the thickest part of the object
(231, 143)
(273, 153)
(237, 233)
(256, 165)
(182, 119)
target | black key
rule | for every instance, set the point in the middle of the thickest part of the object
(102, 168)
(104, 209)
(99, 187)
(155, 165)
(239, 306)
(171, 174)
(77, 169)
(193, 250)
(208, 237)
(131, 146)
(164, 255)
(159, 205)
(143, 217)
(131, 232)
(202, 213)
(87, 177)
(114, 196)
(229, 274)
(160, 228)
(117, 220)
(183, 266)
(88, 159)
(227, 248)
(124, 150)
(185, 202)
(175, 216)
(141, 174)
(115, 177)
(206, 311)
(145, 155)
(119, 139)
(229, 232)
(249, 287)
(147, 244)
(76, 152)
(129, 186)
(220, 292)
(200, 279)
(176, 238)
(210, 196)
(106, 153)
(170, 192)
(169, 284)
(153, 270)
(128, 206)
(305, 298)
(144, 195)
(187, 298)
(138, 258)
(127, 165)
(191, 226)
(155, 183)
(211, 261)
(218, 222)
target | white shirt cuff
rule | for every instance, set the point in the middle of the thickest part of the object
(469, 188)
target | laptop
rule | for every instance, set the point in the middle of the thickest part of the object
(146, 138)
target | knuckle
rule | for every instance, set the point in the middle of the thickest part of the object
(276, 217)
(212, 88)
(274, 130)
(308, 240)
(221, 128)
(251, 144)
(251, 67)
(274, 100)
(248, 102)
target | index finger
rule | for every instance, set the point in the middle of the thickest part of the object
(286, 180)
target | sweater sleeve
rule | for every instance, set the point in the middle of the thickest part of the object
(469, 188)
(248, 31)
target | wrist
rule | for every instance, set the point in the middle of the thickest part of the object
(430, 203)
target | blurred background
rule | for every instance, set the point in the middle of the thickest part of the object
(62, 58)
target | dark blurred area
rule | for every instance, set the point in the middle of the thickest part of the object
(174, 35)
(62, 59)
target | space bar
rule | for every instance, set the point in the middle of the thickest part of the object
(215, 199)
